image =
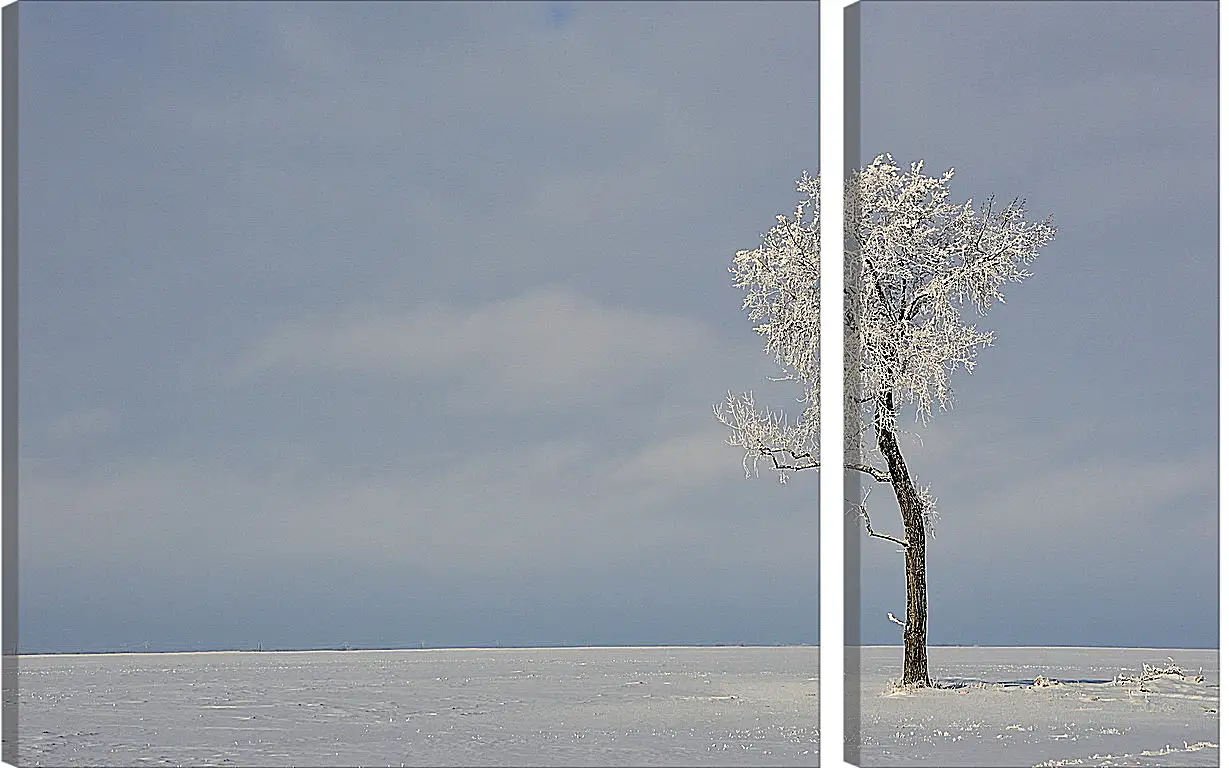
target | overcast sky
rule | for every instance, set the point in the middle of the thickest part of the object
(398, 323)
(1077, 474)
(393, 324)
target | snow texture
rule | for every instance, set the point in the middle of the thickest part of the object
(1042, 707)
(590, 706)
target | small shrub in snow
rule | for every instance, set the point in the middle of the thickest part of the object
(1150, 672)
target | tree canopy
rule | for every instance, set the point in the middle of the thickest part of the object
(914, 262)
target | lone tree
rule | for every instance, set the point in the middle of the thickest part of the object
(913, 263)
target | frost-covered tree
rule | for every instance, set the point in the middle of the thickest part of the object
(914, 265)
(781, 279)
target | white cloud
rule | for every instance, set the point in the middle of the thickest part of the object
(503, 511)
(691, 460)
(1078, 515)
(551, 345)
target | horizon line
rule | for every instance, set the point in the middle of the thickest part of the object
(38, 654)
(151, 652)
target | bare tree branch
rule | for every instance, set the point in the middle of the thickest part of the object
(866, 518)
(811, 461)
(880, 475)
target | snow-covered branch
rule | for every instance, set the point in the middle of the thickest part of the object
(919, 260)
(880, 475)
(781, 280)
(864, 513)
(769, 436)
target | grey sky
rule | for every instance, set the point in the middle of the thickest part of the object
(394, 323)
(400, 323)
(1077, 474)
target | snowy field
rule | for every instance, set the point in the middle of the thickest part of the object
(1092, 707)
(591, 706)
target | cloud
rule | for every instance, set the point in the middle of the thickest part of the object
(1007, 493)
(544, 506)
(1042, 513)
(696, 459)
(1106, 504)
(550, 345)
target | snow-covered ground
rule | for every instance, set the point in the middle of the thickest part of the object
(591, 706)
(1092, 707)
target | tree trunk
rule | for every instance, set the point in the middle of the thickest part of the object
(916, 670)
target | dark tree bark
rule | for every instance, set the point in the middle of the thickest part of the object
(916, 670)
